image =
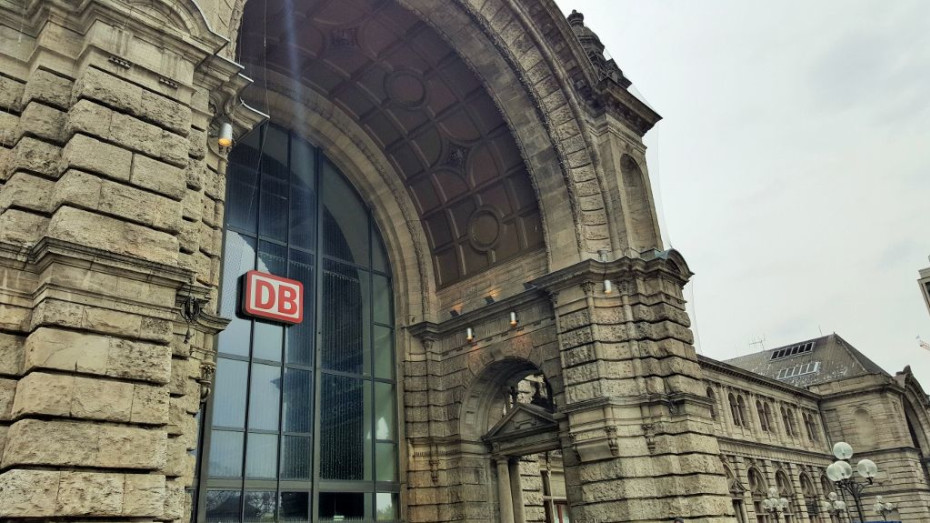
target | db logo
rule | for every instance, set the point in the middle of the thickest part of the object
(273, 297)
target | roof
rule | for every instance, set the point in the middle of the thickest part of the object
(810, 362)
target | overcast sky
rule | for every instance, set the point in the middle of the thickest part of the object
(792, 166)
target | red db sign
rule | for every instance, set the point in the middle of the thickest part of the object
(273, 297)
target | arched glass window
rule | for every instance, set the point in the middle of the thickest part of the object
(735, 411)
(303, 421)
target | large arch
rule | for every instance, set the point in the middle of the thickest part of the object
(521, 70)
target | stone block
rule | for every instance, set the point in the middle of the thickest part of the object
(26, 191)
(89, 154)
(42, 121)
(35, 156)
(149, 404)
(89, 494)
(83, 227)
(88, 191)
(7, 393)
(84, 444)
(22, 227)
(11, 93)
(44, 394)
(144, 495)
(94, 119)
(103, 87)
(192, 206)
(9, 124)
(28, 493)
(102, 399)
(159, 177)
(11, 354)
(174, 499)
(47, 87)
(49, 348)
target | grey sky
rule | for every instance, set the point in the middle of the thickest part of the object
(793, 164)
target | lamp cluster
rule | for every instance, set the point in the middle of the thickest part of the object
(774, 504)
(841, 474)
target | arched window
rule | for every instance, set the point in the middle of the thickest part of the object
(713, 403)
(810, 424)
(735, 412)
(303, 415)
(759, 490)
(768, 416)
(785, 490)
(763, 421)
(791, 426)
(743, 413)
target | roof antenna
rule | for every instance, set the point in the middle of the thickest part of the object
(760, 342)
(821, 330)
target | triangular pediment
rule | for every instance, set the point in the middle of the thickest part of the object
(520, 421)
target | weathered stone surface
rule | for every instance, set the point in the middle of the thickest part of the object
(94, 119)
(11, 353)
(149, 404)
(49, 348)
(35, 156)
(118, 93)
(158, 176)
(7, 392)
(80, 226)
(42, 121)
(90, 494)
(11, 93)
(88, 191)
(8, 129)
(102, 399)
(89, 154)
(28, 493)
(84, 444)
(48, 87)
(143, 495)
(26, 191)
(44, 394)
(22, 227)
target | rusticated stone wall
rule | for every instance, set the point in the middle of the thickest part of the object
(110, 222)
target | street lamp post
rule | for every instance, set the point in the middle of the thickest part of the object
(774, 504)
(884, 508)
(833, 505)
(841, 474)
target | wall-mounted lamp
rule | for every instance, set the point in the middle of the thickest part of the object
(608, 287)
(513, 318)
(469, 335)
(225, 138)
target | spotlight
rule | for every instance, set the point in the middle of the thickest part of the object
(469, 335)
(608, 287)
(225, 139)
(513, 319)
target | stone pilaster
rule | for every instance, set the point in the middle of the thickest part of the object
(639, 443)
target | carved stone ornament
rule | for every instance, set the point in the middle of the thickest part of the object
(207, 372)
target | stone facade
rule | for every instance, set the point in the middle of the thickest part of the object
(112, 190)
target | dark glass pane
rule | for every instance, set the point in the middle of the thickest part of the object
(345, 219)
(342, 506)
(261, 456)
(345, 318)
(300, 337)
(239, 258)
(381, 290)
(298, 405)
(295, 506)
(274, 185)
(384, 411)
(345, 413)
(386, 461)
(223, 506)
(379, 259)
(268, 342)
(242, 197)
(384, 352)
(264, 397)
(296, 462)
(229, 394)
(387, 506)
(259, 506)
(272, 258)
(303, 195)
(225, 454)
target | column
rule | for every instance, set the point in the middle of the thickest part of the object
(505, 490)
(516, 489)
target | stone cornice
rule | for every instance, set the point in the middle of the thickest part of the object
(668, 263)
